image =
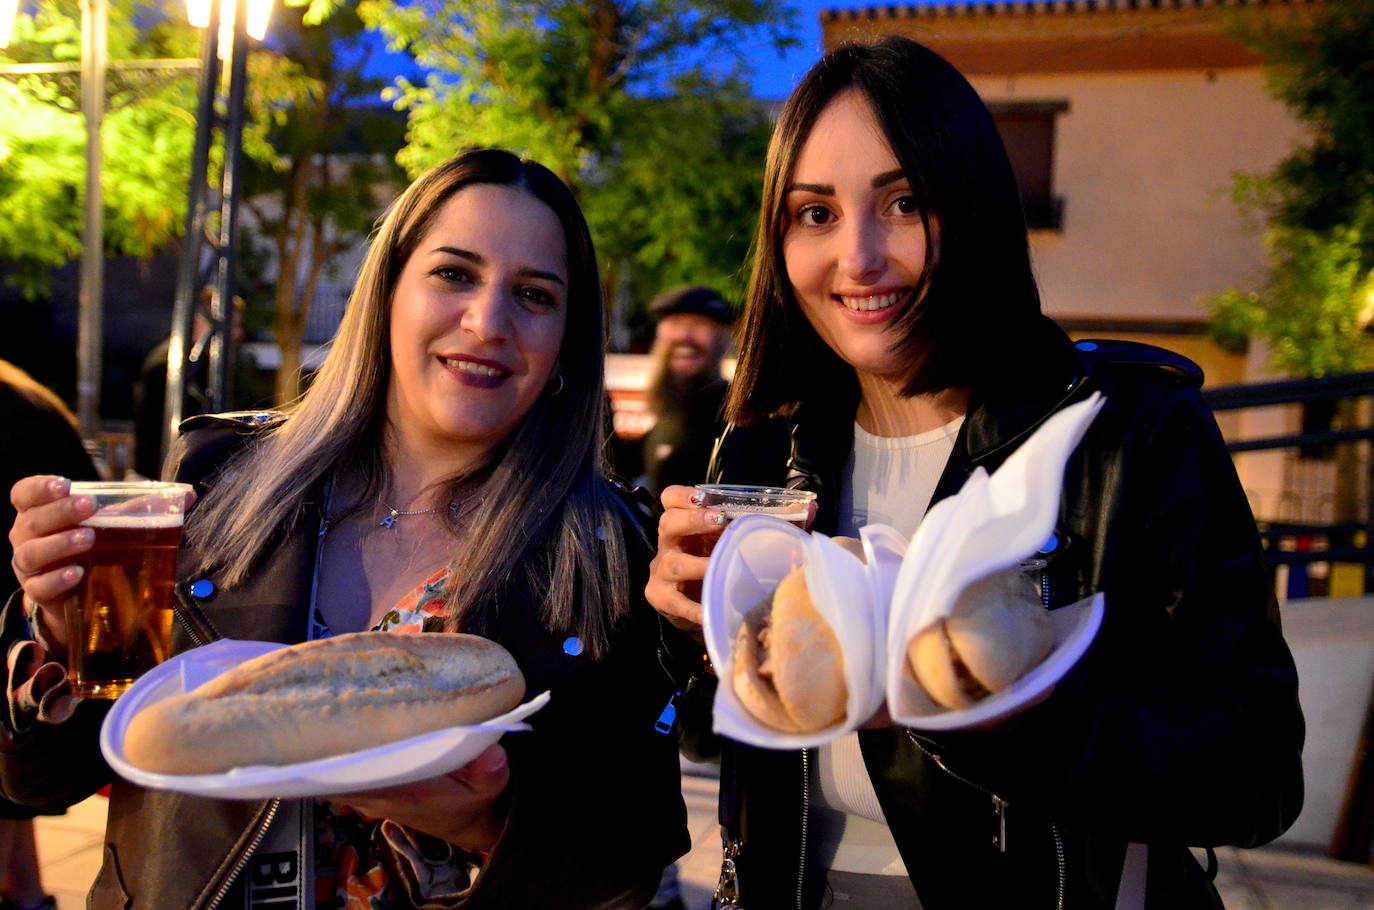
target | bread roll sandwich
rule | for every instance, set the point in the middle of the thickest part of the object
(789, 669)
(997, 632)
(325, 698)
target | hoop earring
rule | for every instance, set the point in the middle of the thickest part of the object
(558, 391)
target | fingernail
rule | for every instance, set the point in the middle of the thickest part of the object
(715, 516)
(59, 486)
(72, 574)
(83, 504)
(495, 761)
(82, 536)
(697, 498)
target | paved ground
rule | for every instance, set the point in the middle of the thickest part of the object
(69, 848)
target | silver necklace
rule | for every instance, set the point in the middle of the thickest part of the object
(392, 514)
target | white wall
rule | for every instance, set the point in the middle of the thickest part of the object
(1144, 162)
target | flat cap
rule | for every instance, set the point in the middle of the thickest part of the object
(692, 298)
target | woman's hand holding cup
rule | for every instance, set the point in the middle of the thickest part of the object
(692, 522)
(45, 539)
(675, 575)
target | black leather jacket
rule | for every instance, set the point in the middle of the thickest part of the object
(596, 809)
(1179, 727)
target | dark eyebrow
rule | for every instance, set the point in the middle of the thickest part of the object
(825, 189)
(887, 177)
(547, 276)
(477, 259)
(469, 255)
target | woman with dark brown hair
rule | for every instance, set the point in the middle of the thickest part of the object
(893, 326)
(441, 473)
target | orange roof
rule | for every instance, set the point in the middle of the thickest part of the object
(1045, 36)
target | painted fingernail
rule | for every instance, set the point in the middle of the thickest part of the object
(59, 486)
(83, 504)
(715, 516)
(495, 761)
(82, 536)
(697, 498)
(72, 574)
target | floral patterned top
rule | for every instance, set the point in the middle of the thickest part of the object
(356, 856)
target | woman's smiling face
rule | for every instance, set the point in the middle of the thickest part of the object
(854, 243)
(477, 319)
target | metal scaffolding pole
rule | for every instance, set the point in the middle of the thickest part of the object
(221, 342)
(197, 207)
(91, 295)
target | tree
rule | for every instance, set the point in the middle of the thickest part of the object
(42, 141)
(1317, 300)
(640, 106)
(321, 154)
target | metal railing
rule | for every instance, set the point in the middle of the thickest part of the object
(1330, 542)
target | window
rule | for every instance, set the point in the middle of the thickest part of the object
(1027, 129)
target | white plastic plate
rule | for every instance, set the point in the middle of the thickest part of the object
(407, 760)
(1075, 626)
(753, 555)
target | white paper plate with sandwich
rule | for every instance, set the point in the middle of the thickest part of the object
(795, 626)
(969, 639)
(253, 720)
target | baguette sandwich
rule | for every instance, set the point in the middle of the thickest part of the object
(325, 698)
(789, 669)
(997, 632)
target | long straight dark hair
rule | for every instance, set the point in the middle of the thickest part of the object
(977, 292)
(539, 511)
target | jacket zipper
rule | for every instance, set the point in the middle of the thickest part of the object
(246, 855)
(999, 805)
(1046, 588)
(190, 628)
(806, 812)
(1059, 861)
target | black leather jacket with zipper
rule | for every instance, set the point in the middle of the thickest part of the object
(594, 768)
(1180, 727)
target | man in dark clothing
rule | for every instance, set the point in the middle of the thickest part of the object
(686, 390)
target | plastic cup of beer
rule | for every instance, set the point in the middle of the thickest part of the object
(119, 617)
(738, 500)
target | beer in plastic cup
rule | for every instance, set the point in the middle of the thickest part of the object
(738, 500)
(119, 618)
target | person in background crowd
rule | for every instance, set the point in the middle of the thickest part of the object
(893, 324)
(150, 388)
(686, 390)
(442, 473)
(43, 437)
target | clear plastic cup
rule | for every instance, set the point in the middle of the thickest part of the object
(119, 617)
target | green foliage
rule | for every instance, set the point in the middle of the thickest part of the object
(640, 106)
(322, 167)
(147, 145)
(1318, 203)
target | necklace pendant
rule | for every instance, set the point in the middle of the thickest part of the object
(388, 521)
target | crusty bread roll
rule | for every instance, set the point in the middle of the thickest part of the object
(325, 698)
(996, 633)
(789, 670)
(853, 545)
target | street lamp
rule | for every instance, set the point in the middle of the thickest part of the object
(9, 9)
